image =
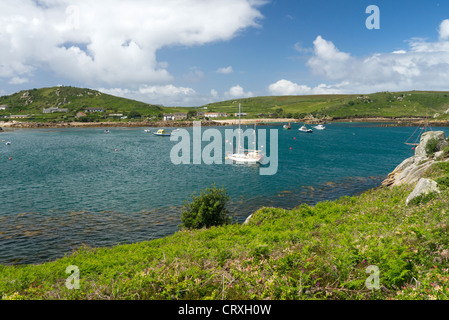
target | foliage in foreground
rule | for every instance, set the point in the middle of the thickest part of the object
(319, 252)
(206, 210)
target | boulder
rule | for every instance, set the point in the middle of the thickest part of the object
(424, 186)
(409, 171)
(413, 168)
(420, 150)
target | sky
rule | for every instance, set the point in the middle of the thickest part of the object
(194, 52)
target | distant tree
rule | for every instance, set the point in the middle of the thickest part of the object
(192, 114)
(134, 115)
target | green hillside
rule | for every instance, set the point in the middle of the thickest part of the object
(32, 102)
(383, 104)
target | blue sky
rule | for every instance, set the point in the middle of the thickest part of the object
(193, 52)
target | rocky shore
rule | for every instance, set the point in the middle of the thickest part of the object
(153, 124)
(413, 169)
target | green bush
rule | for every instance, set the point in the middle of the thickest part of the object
(422, 199)
(432, 146)
(443, 182)
(206, 210)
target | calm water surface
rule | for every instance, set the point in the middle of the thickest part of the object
(68, 187)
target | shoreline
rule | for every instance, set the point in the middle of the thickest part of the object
(390, 122)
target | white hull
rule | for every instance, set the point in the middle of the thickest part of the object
(246, 158)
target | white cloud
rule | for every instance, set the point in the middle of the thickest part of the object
(444, 29)
(238, 92)
(298, 47)
(423, 66)
(168, 95)
(214, 93)
(18, 80)
(111, 42)
(285, 87)
(226, 70)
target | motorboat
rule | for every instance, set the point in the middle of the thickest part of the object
(161, 133)
(304, 129)
(320, 127)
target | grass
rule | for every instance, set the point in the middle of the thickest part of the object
(413, 104)
(319, 252)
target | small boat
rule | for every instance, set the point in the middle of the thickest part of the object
(161, 133)
(8, 143)
(320, 127)
(287, 127)
(107, 131)
(147, 130)
(305, 130)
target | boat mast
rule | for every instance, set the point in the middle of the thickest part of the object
(425, 128)
(238, 150)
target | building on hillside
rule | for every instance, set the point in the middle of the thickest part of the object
(242, 114)
(215, 115)
(94, 109)
(19, 116)
(115, 115)
(175, 116)
(53, 109)
(3, 107)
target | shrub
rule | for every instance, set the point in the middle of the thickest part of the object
(432, 146)
(443, 182)
(423, 199)
(206, 210)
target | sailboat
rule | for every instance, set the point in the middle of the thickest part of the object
(418, 137)
(253, 156)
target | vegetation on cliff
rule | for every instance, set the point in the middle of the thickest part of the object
(413, 104)
(310, 252)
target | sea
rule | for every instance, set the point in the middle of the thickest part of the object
(61, 189)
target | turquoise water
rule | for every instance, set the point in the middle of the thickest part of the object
(68, 187)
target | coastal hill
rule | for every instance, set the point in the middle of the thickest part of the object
(32, 102)
(413, 104)
(71, 101)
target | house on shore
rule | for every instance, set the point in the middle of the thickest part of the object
(53, 110)
(241, 114)
(19, 116)
(175, 116)
(3, 107)
(215, 115)
(93, 109)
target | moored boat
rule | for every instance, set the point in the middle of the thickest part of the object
(320, 127)
(304, 129)
(161, 133)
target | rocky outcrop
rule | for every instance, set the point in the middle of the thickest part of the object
(420, 150)
(154, 124)
(423, 187)
(411, 170)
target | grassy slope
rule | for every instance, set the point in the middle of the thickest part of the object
(384, 104)
(318, 252)
(74, 99)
